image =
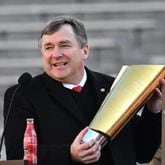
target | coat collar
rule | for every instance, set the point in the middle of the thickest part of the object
(58, 92)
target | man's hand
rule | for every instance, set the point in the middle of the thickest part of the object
(154, 104)
(85, 152)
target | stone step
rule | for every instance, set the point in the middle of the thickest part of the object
(63, 1)
(158, 59)
(79, 8)
(8, 63)
(8, 80)
(20, 45)
(93, 25)
(18, 2)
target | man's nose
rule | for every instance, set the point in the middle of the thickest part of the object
(57, 53)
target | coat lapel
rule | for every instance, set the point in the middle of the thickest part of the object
(60, 94)
(100, 84)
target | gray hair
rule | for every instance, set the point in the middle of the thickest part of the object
(56, 23)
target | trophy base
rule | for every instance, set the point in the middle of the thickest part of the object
(92, 134)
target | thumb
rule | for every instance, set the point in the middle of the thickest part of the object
(81, 134)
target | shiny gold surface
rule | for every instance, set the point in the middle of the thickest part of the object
(131, 88)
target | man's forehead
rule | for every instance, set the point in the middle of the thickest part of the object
(48, 42)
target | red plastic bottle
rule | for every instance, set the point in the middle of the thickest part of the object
(30, 143)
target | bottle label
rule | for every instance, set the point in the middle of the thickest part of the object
(30, 143)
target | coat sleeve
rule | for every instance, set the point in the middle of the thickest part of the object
(15, 127)
(20, 110)
(57, 154)
(148, 135)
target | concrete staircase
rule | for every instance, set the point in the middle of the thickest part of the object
(120, 32)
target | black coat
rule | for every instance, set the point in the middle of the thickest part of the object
(58, 121)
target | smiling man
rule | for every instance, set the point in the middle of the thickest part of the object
(64, 57)
(61, 115)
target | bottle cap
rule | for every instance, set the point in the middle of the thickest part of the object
(29, 120)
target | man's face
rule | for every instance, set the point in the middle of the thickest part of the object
(63, 58)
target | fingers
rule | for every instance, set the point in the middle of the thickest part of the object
(158, 91)
(81, 135)
(85, 152)
(92, 154)
(89, 148)
(154, 104)
(162, 83)
(76, 146)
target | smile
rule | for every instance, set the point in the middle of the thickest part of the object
(60, 64)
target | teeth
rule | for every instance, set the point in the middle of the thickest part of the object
(60, 64)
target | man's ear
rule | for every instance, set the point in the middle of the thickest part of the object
(85, 51)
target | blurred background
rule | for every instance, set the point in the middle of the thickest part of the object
(120, 32)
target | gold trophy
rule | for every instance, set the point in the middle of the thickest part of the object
(131, 88)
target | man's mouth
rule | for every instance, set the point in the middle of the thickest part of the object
(60, 64)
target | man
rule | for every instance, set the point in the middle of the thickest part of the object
(62, 115)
